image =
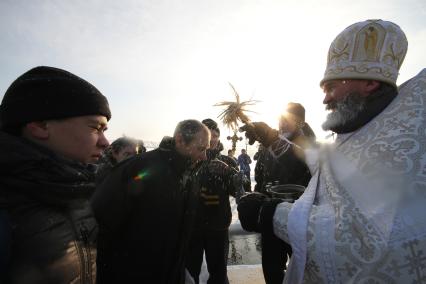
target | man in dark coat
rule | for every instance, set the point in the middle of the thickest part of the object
(52, 125)
(283, 165)
(210, 235)
(146, 207)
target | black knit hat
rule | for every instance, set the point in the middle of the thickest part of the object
(44, 93)
(297, 110)
(211, 124)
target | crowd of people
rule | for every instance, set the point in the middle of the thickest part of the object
(75, 209)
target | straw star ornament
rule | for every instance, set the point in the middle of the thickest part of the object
(235, 110)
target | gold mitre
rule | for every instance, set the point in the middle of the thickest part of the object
(373, 49)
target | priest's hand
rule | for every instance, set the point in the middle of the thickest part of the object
(259, 131)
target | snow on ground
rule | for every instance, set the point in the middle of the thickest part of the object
(245, 274)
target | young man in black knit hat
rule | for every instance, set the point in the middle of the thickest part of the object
(52, 127)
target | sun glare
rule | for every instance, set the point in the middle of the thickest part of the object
(264, 62)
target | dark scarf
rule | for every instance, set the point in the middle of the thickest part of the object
(33, 171)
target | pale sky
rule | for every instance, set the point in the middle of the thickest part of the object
(161, 61)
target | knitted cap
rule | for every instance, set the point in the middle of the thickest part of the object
(44, 93)
(211, 124)
(372, 50)
(295, 111)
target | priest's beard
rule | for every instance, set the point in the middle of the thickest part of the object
(346, 112)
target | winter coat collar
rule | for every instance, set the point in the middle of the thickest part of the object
(35, 171)
(214, 153)
(178, 162)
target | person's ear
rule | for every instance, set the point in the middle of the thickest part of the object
(38, 130)
(371, 86)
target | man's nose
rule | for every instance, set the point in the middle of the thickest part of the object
(327, 98)
(103, 142)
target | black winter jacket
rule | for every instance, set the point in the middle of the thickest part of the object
(214, 209)
(104, 167)
(145, 209)
(44, 201)
(288, 168)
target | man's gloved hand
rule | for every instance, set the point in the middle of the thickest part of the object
(239, 179)
(219, 168)
(249, 209)
(260, 131)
